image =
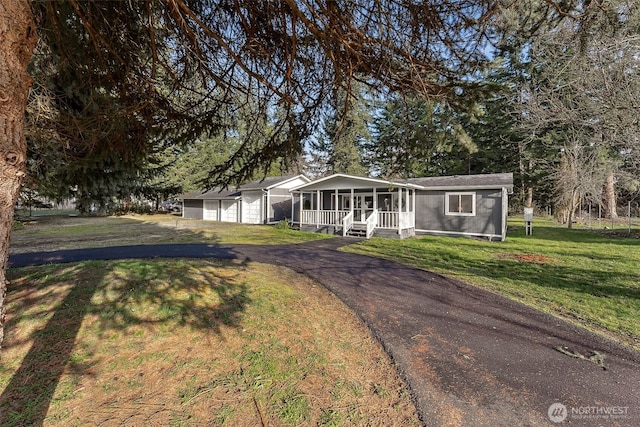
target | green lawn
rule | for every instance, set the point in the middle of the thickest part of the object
(64, 232)
(585, 276)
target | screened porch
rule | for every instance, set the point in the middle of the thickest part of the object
(359, 211)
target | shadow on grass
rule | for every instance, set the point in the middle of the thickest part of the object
(577, 235)
(575, 260)
(120, 295)
(571, 278)
(497, 266)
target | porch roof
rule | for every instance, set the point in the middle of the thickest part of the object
(340, 181)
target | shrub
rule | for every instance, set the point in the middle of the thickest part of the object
(284, 224)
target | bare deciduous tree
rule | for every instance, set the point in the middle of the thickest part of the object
(579, 100)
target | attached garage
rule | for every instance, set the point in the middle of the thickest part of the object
(264, 201)
(192, 208)
(211, 210)
(252, 207)
(229, 211)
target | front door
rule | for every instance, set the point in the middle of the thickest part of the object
(362, 206)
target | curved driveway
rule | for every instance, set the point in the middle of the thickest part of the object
(470, 358)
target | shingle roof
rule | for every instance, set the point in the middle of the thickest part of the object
(219, 193)
(495, 180)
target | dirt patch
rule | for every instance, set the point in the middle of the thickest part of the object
(634, 233)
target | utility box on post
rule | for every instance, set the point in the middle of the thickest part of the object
(528, 221)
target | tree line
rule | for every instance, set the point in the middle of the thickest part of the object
(560, 110)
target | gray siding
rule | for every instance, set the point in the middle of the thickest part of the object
(280, 205)
(280, 209)
(296, 210)
(279, 192)
(192, 209)
(295, 199)
(430, 214)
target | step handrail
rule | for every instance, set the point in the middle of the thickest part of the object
(372, 222)
(347, 223)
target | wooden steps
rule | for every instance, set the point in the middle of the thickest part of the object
(359, 229)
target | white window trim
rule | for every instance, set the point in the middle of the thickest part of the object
(466, 193)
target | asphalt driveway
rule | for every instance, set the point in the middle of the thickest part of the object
(469, 357)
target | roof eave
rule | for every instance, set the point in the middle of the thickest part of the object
(272, 186)
(381, 182)
(466, 187)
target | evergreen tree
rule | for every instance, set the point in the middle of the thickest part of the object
(416, 137)
(345, 133)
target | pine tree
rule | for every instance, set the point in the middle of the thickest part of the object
(345, 133)
(416, 137)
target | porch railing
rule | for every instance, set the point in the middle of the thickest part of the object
(347, 223)
(313, 217)
(388, 219)
(382, 219)
(396, 220)
(407, 220)
(372, 221)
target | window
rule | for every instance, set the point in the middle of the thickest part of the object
(346, 201)
(385, 202)
(461, 204)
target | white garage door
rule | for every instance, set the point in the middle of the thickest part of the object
(251, 208)
(229, 211)
(210, 210)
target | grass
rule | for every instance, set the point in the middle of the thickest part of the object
(185, 343)
(588, 277)
(63, 232)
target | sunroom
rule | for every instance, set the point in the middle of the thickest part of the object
(357, 206)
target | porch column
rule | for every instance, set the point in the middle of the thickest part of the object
(268, 212)
(406, 199)
(336, 208)
(414, 208)
(317, 208)
(301, 208)
(414, 199)
(399, 205)
(351, 204)
(375, 199)
(293, 204)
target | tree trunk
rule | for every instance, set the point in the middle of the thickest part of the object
(528, 202)
(572, 209)
(17, 41)
(610, 202)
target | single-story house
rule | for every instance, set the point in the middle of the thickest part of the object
(263, 201)
(467, 205)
